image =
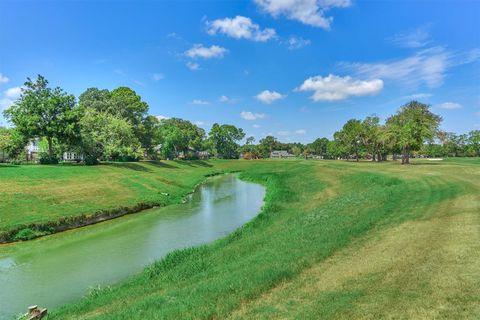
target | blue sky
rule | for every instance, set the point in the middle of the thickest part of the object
(297, 69)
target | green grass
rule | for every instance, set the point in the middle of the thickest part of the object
(334, 240)
(38, 194)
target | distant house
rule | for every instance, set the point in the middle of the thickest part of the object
(281, 154)
(32, 149)
(72, 156)
(203, 155)
(3, 156)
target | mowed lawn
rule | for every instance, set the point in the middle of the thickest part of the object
(335, 240)
(36, 194)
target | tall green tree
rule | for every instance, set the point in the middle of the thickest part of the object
(413, 125)
(225, 140)
(350, 137)
(44, 112)
(474, 142)
(319, 146)
(179, 136)
(107, 137)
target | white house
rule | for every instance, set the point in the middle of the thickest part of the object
(281, 154)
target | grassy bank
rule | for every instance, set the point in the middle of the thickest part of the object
(37, 200)
(334, 240)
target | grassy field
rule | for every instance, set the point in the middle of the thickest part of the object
(37, 194)
(335, 240)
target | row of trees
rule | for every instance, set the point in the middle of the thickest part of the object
(115, 125)
(413, 130)
(105, 125)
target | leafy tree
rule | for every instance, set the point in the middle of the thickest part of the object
(269, 142)
(319, 146)
(44, 112)
(107, 137)
(149, 135)
(179, 136)
(474, 142)
(350, 137)
(224, 139)
(454, 145)
(413, 124)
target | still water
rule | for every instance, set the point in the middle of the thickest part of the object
(58, 269)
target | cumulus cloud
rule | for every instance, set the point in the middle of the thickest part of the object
(256, 126)
(3, 78)
(199, 123)
(310, 12)
(199, 51)
(193, 66)
(13, 93)
(417, 96)
(200, 102)
(334, 88)
(160, 117)
(427, 66)
(417, 38)
(247, 115)
(268, 96)
(158, 76)
(240, 27)
(297, 42)
(449, 105)
(300, 131)
(223, 99)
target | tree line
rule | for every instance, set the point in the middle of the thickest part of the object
(114, 125)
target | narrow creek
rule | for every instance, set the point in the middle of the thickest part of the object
(58, 269)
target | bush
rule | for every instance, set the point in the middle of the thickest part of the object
(46, 159)
(28, 234)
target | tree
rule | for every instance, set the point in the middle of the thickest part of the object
(149, 135)
(123, 103)
(319, 146)
(474, 142)
(44, 113)
(107, 137)
(350, 137)
(179, 136)
(224, 140)
(413, 124)
(372, 137)
(269, 142)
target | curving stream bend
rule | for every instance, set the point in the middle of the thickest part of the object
(58, 269)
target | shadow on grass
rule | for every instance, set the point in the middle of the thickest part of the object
(159, 164)
(129, 165)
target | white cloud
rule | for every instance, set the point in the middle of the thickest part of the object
(199, 123)
(300, 131)
(160, 117)
(3, 78)
(449, 105)
(427, 66)
(412, 39)
(417, 96)
(158, 76)
(283, 133)
(119, 71)
(333, 88)
(297, 42)
(224, 99)
(192, 66)
(5, 103)
(256, 126)
(310, 12)
(247, 115)
(200, 102)
(267, 96)
(240, 27)
(13, 93)
(199, 51)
